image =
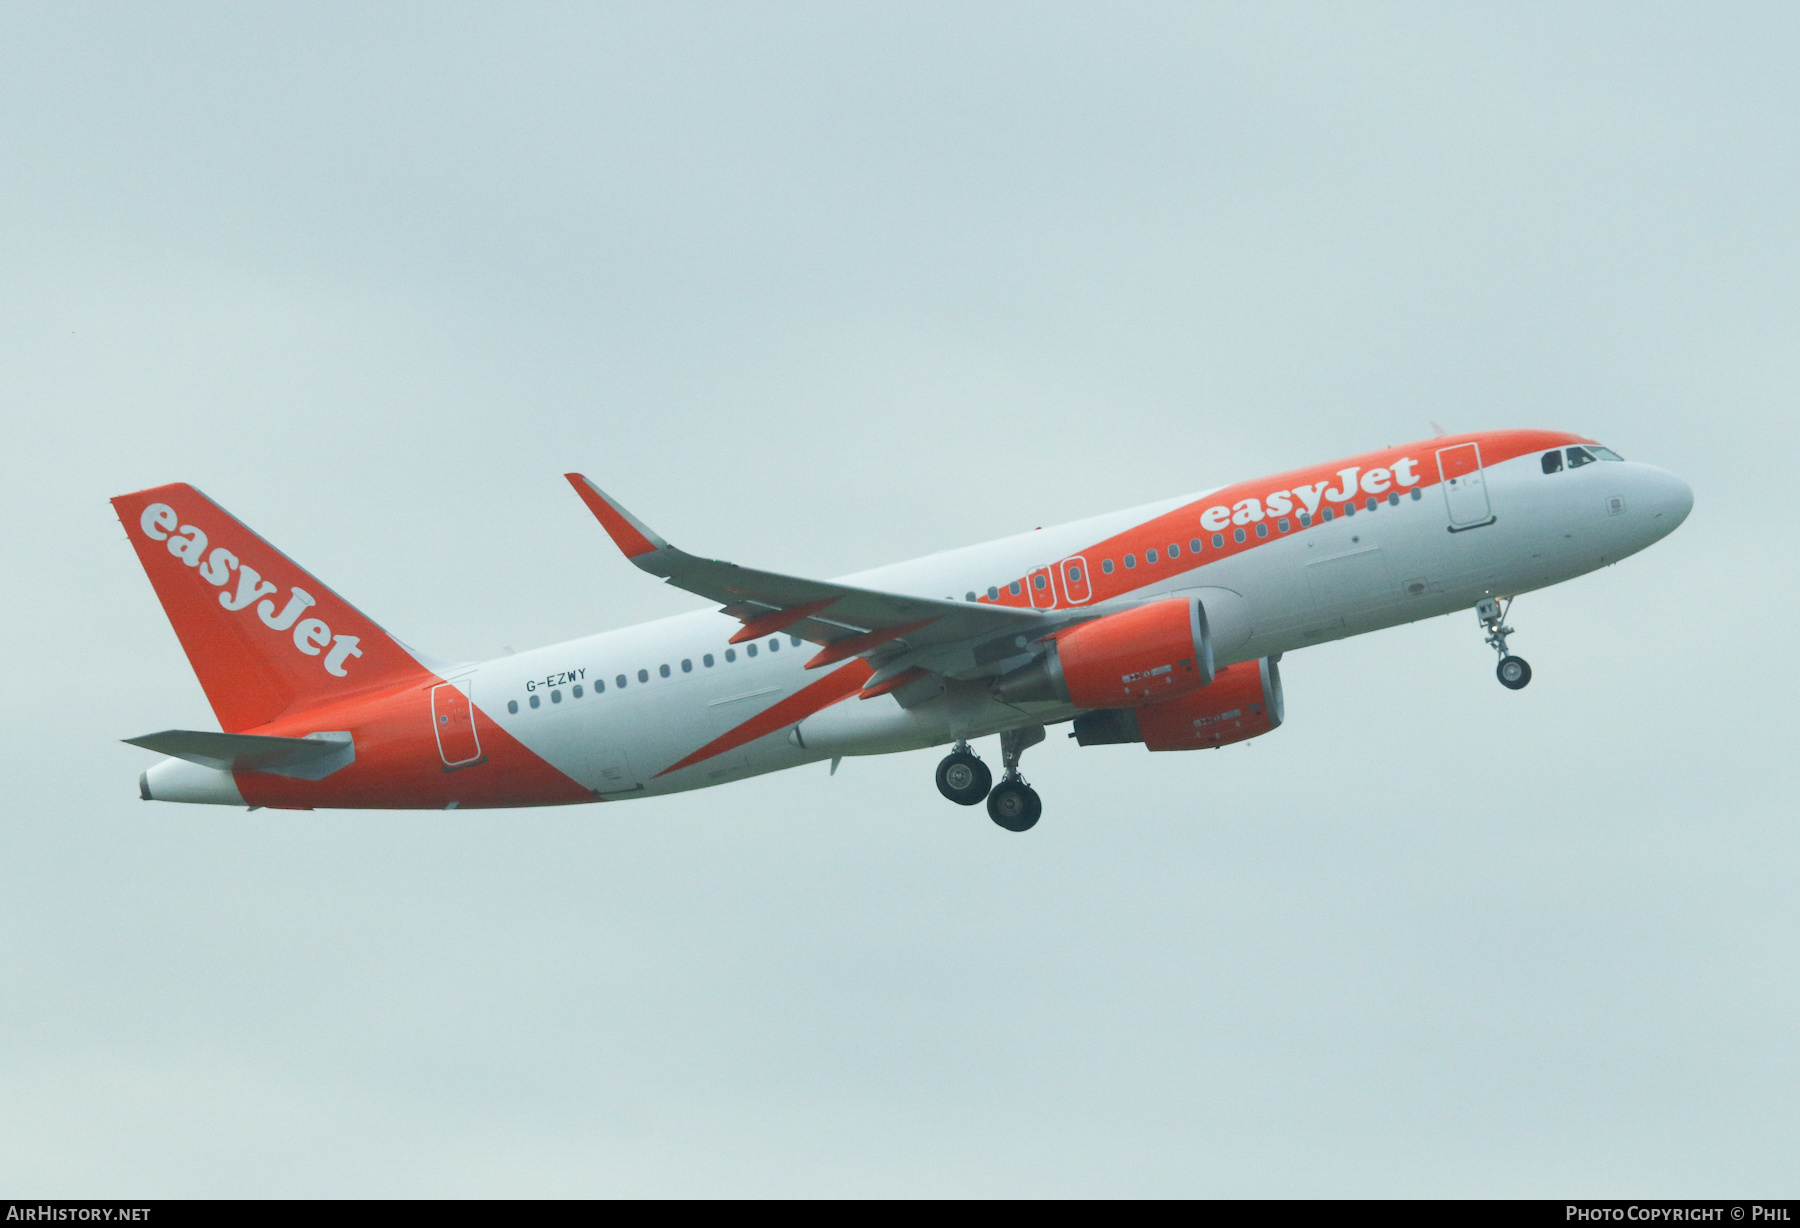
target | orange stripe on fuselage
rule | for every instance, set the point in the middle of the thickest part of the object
(1182, 525)
(796, 707)
(398, 765)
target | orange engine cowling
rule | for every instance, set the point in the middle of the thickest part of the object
(1243, 701)
(1143, 655)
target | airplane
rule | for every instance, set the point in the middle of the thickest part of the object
(1161, 625)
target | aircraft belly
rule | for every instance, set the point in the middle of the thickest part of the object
(881, 726)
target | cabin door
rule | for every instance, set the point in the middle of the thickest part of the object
(1465, 488)
(453, 716)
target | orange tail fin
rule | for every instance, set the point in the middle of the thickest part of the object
(262, 634)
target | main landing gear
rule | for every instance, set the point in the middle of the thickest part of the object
(963, 778)
(1012, 803)
(1514, 672)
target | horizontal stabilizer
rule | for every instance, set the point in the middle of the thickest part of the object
(313, 757)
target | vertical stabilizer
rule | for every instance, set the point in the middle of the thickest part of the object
(262, 633)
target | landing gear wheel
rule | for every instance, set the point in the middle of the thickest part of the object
(964, 779)
(1513, 673)
(1014, 805)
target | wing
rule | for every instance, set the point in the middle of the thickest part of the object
(903, 636)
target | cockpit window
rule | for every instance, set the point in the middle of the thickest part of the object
(1553, 461)
(1579, 457)
(1606, 454)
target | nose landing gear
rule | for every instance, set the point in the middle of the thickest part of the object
(1514, 672)
(1014, 804)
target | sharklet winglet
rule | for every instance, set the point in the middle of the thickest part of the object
(633, 537)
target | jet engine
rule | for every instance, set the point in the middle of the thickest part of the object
(1243, 701)
(1142, 655)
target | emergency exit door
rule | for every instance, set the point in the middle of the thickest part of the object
(1465, 488)
(1075, 580)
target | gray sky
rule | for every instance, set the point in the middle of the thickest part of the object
(817, 288)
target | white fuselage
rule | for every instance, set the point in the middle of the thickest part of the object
(1359, 573)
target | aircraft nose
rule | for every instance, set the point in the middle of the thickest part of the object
(1671, 499)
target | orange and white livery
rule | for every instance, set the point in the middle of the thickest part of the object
(1160, 624)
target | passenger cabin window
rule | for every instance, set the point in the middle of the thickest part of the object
(1579, 457)
(1106, 566)
(730, 655)
(1393, 498)
(687, 665)
(1174, 550)
(993, 593)
(643, 675)
(1262, 528)
(1237, 535)
(1194, 546)
(1150, 556)
(555, 697)
(1037, 581)
(750, 649)
(1014, 586)
(576, 690)
(707, 660)
(512, 705)
(663, 670)
(599, 686)
(620, 680)
(534, 701)
(1218, 541)
(775, 644)
(1553, 461)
